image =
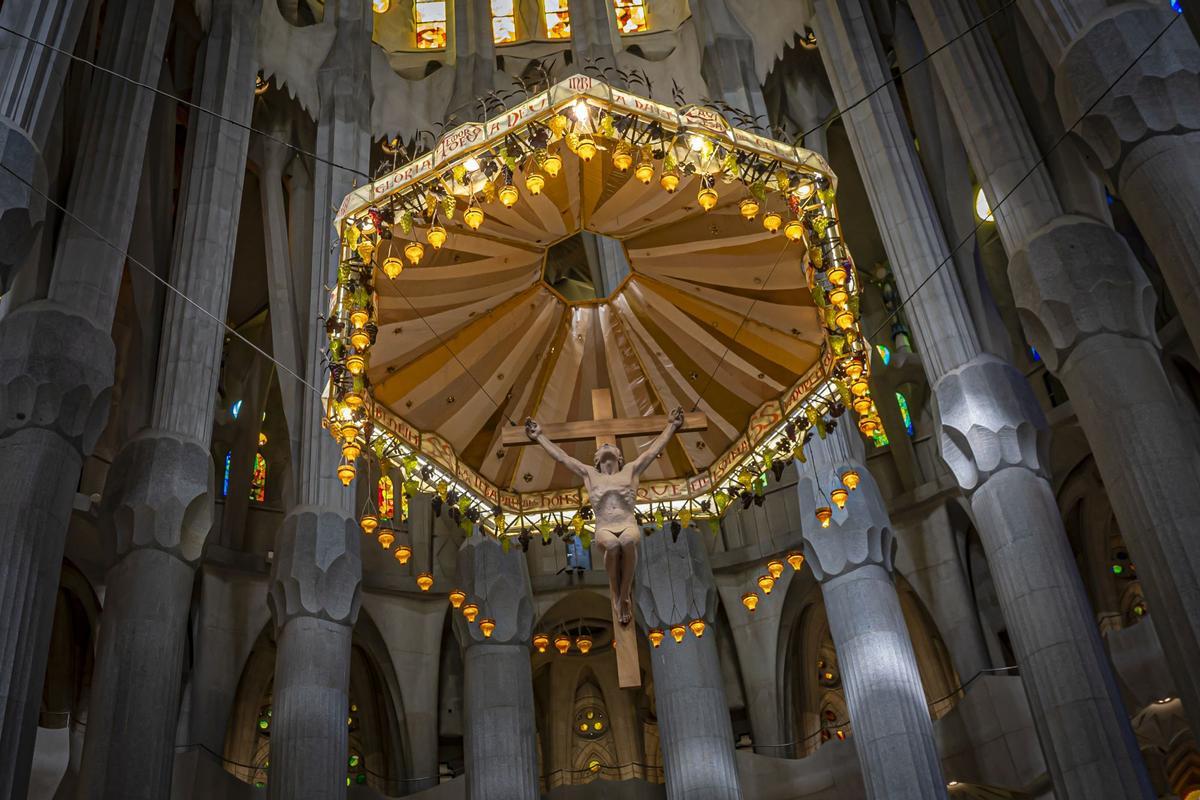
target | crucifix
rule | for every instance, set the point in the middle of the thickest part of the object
(612, 490)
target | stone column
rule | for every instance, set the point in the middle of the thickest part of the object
(1145, 133)
(474, 59)
(318, 570)
(158, 501)
(674, 585)
(595, 38)
(56, 372)
(993, 436)
(31, 80)
(316, 580)
(727, 57)
(853, 560)
(1089, 310)
(499, 732)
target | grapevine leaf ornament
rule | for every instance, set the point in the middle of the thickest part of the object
(820, 223)
(758, 190)
(826, 195)
(460, 174)
(606, 127)
(406, 223)
(448, 204)
(837, 343)
(818, 293)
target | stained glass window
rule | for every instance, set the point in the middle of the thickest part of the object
(258, 482)
(558, 19)
(386, 497)
(884, 354)
(236, 409)
(430, 18)
(902, 401)
(631, 16)
(228, 465)
(879, 437)
(504, 22)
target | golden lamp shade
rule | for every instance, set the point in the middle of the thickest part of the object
(584, 643)
(586, 149)
(552, 164)
(403, 554)
(839, 296)
(775, 568)
(844, 320)
(562, 644)
(824, 514)
(359, 317)
(677, 633)
(854, 369)
(346, 473)
(669, 181)
(540, 642)
(356, 364)
(508, 195)
(655, 636)
(392, 266)
(862, 405)
(470, 611)
(750, 601)
(534, 182)
(766, 583)
(436, 236)
(697, 627)
(794, 230)
(425, 581)
(748, 208)
(473, 217)
(386, 537)
(644, 172)
(369, 523)
(868, 425)
(487, 625)
(622, 157)
(351, 450)
(771, 221)
(837, 275)
(838, 496)
(795, 560)
(457, 597)
(413, 252)
(850, 479)
(360, 339)
(349, 430)
(707, 198)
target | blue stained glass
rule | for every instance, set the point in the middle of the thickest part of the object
(228, 465)
(236, 409)
(884, 354)
(1177, 6)
(1034, 354)
(902, 401)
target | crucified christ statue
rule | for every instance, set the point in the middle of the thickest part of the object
(612, 490)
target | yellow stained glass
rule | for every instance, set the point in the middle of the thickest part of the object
(504, 22)
(558, 19)
(631, 16)
(386, 497)
(430, 20)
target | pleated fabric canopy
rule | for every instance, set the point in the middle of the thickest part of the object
(714, 312)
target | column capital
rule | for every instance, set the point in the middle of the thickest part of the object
(858, 535)
(1076, 278)
(22, 208)
(674, 583)
(988, 421)
(56, 372)
(159, 495)
(498, 582)
(317, 571)
(1159, 95)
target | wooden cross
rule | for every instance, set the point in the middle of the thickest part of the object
(606, 429)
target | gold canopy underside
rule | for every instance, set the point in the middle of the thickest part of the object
(708, 292)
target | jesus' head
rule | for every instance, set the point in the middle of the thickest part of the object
(609, 459)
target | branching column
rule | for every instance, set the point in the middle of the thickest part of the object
(158, 501)
(1145, 132)
(674, 586)
(993, 436)
(318, 570)
(56, 370)
(31, 80)
(499, 734)
(853, 560)
(1089, 311)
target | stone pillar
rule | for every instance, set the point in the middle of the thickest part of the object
(853, 560)
(316, 580)
(474, 59)
(1145, 132)
(1089, 310)
(992, 436)
(595, 38)
(995, 439)
(31, 80)
(499, 732)
(727, 57)
(674, 585)
(56, 372)
(158, 500)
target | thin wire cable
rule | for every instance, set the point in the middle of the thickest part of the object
(182, 101)
(159, 278)
(1059, 140)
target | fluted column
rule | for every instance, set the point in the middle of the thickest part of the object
(1088, 309)
(1144, 134)
(499, 732)
(993, 436)
(674, 586)
(158, 500)
(853, 560)
(316, 579)
(31, 81)
(56, 368)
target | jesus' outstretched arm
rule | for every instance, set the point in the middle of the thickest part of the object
(674, 423)
(534, 431)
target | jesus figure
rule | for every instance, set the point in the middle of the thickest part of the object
(612, 490)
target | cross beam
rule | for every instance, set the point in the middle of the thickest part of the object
(604, 429)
